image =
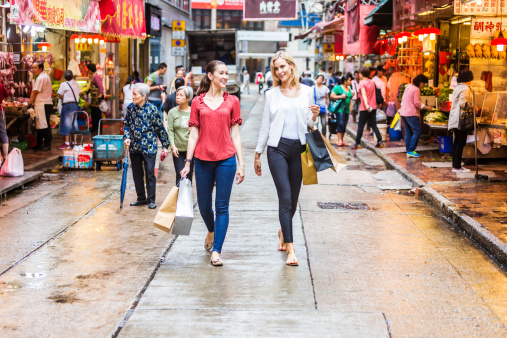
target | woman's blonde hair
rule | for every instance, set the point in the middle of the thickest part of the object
(294, 81)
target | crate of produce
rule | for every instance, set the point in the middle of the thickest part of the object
(108, 147)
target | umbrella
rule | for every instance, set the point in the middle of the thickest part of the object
(124, 177)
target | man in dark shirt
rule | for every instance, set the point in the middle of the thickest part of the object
(170, 102)
(307, 80)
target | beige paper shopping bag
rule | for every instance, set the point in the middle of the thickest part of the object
(167, 212)
(338, 162)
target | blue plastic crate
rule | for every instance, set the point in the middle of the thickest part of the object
(445, 144)
(108, 147)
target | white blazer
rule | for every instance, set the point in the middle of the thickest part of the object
(273, 117)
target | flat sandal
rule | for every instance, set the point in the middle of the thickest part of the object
(217, 262)
(292, 263)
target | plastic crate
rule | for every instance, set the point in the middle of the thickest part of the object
(445, 144)
(23, 145)
(108, 147)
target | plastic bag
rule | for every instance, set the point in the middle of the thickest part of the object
(104, 107)
(59, 107)
(13, 164)
(380, 116)
(391, 109)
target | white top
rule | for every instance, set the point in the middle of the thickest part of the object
(246, 78)
(273, 117)
(127, 92)
(43, 86)
(67, 93)
(290, 123)
(269, 76)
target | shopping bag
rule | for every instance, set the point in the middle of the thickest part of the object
(320, 155)
(308, 166)
(396, 124)
(167, 212)
(13, 164)
(184, 209)
(338, 162)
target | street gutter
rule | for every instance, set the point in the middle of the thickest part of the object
(475, 230)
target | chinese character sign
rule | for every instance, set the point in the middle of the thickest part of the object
(486, 27)
(128, 20)
(486, 8)
(261, 10)
(77, 15)
(218, 4)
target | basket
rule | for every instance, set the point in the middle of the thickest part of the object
(445, 144)
(57, 74)
(108, 147)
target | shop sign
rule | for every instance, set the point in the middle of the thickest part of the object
(260, 10)
(486, 27)
(486, 8)
(328, 38)
(329, 57)
(128, 21)
(218, 4)
(328, 48)
(262, 36)
(83, 16)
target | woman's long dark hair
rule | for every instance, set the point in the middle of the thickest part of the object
(130, 79)
(205, 84)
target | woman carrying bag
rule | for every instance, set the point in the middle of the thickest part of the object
(320, 97)
(215, 141)
(178, 131)
(289, 110)
(460, 98)
(343, 92)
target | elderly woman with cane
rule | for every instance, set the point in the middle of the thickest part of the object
(178, 130)
(142, 125)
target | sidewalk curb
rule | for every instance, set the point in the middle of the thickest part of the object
(475, 230)
(43, 163)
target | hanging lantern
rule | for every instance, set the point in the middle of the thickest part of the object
(421, 33)
(402, 37)
(433, 32)
(499, 43)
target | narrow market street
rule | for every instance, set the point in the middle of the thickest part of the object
(374, 260)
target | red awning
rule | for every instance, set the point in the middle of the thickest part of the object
(128, 20)
(106, 9)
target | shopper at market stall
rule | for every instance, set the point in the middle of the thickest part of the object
(141, 127)
(41, 99)
(343, 92)
(126, 93)
(410, 112)
(96, 91)
(178, 130)
(216, 143)
(321, 98)
(157, 87)
(355, 102)
(368, 108)
(460, 97)
(4, 140)
(69, 94)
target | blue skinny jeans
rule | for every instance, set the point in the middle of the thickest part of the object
(206, 174)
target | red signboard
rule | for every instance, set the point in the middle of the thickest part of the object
(218, 4)
(128, 20)
(260, 10)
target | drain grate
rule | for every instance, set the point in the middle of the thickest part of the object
(343, 206)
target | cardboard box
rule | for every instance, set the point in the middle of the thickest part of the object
(78, 159)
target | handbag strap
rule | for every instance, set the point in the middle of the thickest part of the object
(72, 90)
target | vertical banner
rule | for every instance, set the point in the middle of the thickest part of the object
(77, 15)
(353, 20)
(261, 10)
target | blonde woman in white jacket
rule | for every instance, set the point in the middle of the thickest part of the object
(288, 111)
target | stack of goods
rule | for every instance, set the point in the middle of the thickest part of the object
(428, 91)
(436, 117)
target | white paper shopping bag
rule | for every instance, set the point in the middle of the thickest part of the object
(184, 209)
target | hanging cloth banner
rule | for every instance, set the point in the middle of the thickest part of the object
(128, 20)
(261, 10)
(353, 20)
(76, 15)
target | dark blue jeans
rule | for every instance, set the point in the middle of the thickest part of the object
(206, 174)
(342, 120)
(413, 132)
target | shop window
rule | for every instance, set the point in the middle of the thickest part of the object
(220, 19)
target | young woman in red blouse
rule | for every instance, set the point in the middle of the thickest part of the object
(215, 143)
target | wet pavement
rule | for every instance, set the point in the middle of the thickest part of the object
(374, 261)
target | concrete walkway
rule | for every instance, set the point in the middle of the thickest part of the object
(394, 269)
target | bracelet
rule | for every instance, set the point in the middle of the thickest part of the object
(187, 160)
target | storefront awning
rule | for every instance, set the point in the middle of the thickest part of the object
(128, 20)
(381, 16)
(305, 34)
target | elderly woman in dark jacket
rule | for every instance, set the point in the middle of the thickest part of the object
(142, 125)
(460, 97)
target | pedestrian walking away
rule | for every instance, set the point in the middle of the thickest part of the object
(126, 93)
(410, 112)
(157, 87)
(178, 131)
(355, 102)
(461, 96)
(321, 98)
(69, 94)
(289, 110)
(368, 108)
(246, 82)
(215, 141)
(42, 100)
(96, 91)
(141, 127)
(345, 93)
